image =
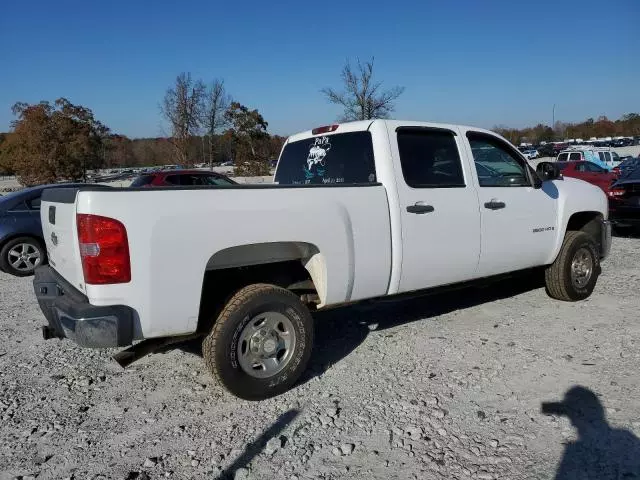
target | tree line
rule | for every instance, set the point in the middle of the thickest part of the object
(56, 141)
(626, 126)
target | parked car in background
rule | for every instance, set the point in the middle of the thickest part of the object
(627, 166)
(531, 154)
(582, 155)
(173, 178)
(589, 172)
(624, 200)
(608, 156)
(547, 150)
(21, 243)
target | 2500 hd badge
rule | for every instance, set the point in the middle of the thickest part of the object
(543, 229)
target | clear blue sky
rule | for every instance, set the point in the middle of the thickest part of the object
(480, 62)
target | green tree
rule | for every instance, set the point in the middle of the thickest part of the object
(248, 132)
(52, 142)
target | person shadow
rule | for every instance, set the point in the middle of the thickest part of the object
(600, 451)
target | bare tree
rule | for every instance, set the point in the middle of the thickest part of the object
(216, 103)
(182, 107)
(362, 98)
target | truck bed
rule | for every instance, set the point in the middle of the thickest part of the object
(177, 234)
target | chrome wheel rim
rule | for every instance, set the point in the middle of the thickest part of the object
(581, 267)
(266, 345)
(24, 257)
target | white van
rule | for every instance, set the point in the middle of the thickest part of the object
(602, 156)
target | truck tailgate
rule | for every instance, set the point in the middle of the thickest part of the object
(58, 215)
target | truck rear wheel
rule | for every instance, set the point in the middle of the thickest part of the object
(575, 271)
(260, 343)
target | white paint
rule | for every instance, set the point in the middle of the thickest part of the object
(356, 242)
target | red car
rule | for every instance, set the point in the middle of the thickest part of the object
(589, 172)
(181, 178)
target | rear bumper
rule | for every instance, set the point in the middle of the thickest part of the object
(70, 315)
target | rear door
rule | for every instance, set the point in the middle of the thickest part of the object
(518, 221)
(440, 217)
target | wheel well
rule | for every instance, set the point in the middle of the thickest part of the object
(588, 222)
(220, 284)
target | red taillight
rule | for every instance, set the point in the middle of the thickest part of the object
(615, 191)
(104, 249)
(325, 129)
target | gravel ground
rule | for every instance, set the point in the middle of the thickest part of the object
(445, 387)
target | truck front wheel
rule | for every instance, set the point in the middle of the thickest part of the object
(260, 343)
(575, 271)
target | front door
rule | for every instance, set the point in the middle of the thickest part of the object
(518, 221)
(439, 208)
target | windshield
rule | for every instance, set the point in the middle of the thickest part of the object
(345, 158)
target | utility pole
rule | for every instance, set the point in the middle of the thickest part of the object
(553, 120)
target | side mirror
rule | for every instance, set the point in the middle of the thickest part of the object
(548, 171)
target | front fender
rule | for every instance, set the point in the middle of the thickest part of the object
(576, 197)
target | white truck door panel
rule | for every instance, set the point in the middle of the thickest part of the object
(518, 221)
(440, 218)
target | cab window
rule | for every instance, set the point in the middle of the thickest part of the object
(429, 158)
(507, 167)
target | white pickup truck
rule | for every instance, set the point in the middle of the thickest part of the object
(358, 210)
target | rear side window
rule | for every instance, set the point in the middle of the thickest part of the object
(607, 156)
(344, 158)
(592, 167)
(563, 157)
(215, 180)
(429, 158)
(142, 180)
(575, 157)
(174, 180)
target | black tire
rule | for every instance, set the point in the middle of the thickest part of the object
(223, 346)
(24, 270)
(559, 280)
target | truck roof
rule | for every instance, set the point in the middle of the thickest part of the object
(362, 125)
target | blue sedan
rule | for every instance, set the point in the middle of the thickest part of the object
(21, 243)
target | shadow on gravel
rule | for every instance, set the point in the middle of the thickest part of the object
(340, 330)
(600, 452)
(253, 449)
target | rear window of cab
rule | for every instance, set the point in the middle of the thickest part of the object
(344, 158)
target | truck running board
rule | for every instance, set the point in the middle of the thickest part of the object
(151, 345)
